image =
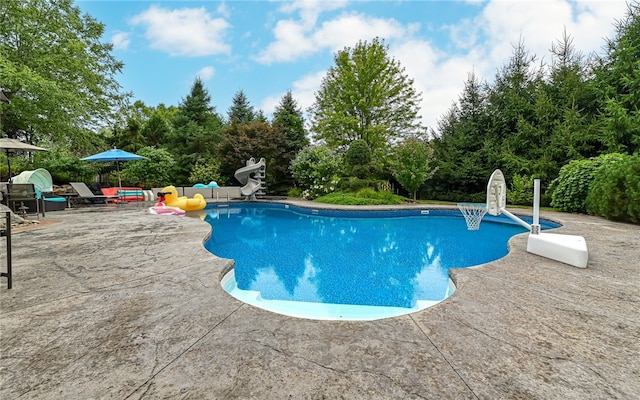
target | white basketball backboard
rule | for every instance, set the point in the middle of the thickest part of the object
(496, 193)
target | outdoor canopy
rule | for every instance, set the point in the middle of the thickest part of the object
(16, 145)
(116, 155)
(41, 179)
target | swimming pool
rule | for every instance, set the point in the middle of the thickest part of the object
(354, 265)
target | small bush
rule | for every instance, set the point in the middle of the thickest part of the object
(63, 166)
(353, 184)
(357, 159)
(358, 153)
(615, 190)
(205, 173)
(295, 192)
(367, 193)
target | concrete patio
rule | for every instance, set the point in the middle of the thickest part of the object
(111, 303)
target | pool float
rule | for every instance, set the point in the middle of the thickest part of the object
(161, 208)
(212, 184)
(171, 199)
(165, 210)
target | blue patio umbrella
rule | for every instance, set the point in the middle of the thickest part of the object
(116, 155)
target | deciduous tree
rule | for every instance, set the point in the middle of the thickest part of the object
(366, 95)
(256, 140)
(60, 77)
(412, 164)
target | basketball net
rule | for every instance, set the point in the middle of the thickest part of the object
(473, 213)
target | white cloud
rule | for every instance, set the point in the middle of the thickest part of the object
(309, 10)
(347, 30)
(223, 10)
(303, 91)
(184, 32)
(290, 43)
(299, 38)
(503, 23)
(269, 103)
(206, 73)
(121, 40)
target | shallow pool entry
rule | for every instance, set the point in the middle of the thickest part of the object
(327, 264)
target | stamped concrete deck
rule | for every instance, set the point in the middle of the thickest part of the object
(115, 304)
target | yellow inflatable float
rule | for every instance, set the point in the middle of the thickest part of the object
(171, 199)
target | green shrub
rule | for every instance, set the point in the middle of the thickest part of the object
(571, 187)
(521, 192)
(545, 199)
(205, 173)
(354, 184)
(358, 159)
(63, 166)
(316, 169)
(412, 163)
(295, 192)
(367, 193)
(615, 190)
(358, 153)
(152, 171)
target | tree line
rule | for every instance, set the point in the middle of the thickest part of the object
(534, 118)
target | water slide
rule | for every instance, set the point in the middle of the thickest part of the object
(250, 177)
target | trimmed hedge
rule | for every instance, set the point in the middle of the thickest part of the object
(571, 187)
(615, 190)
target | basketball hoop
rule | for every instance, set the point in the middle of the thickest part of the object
(473, 213)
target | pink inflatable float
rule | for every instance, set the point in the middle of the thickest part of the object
(161, 207)
(165, 210)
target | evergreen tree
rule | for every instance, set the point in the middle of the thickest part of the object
(196, 133)
(130, 138)
(618, 85)
(260, 117)
(155, 130)
(241, 112)
(511, 106)
(570, 113)
(459, 147)
(288, 119)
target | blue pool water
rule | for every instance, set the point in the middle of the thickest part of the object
(330, 264)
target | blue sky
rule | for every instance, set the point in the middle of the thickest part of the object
(268, 47)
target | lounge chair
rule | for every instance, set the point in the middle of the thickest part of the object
(84, 193)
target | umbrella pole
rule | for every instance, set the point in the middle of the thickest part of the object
(119, 179)
(8, 166)
(118, 170)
